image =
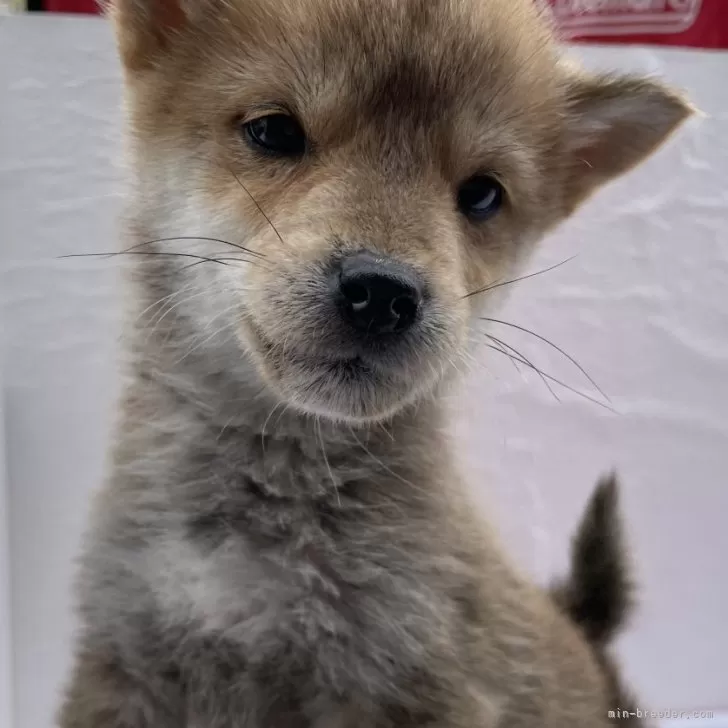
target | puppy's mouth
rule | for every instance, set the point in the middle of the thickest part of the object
(352, 367)
(344, 384)
(357, 339)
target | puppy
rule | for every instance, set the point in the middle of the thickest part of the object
(322, 192)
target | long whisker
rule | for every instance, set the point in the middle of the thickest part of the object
(260, 209)
(511, 359)
(553, 346)
(500, 284)
(555, 380)
(528, 362)
(201, 238)
(220, 259)
(238, 260)
(383, 465)
(200, 258)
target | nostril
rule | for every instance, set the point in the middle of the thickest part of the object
(405, 309)
(356, 294)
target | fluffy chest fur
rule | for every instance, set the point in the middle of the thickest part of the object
(307, 575)
(319, 558)
(270, 572)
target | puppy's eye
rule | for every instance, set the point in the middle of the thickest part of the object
(480, 197)
(278, 134)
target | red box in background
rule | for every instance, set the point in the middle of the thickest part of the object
(689, 23)
(71, 6)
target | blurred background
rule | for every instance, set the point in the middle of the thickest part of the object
(643, 307)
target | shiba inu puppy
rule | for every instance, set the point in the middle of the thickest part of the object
(322, 192)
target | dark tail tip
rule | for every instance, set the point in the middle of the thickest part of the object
(597, 595)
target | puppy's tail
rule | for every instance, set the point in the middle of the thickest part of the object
(597, 595)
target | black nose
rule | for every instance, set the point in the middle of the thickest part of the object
(379, 295)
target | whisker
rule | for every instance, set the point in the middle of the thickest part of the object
(555, 380)
(384, 429)
(202, 342)
(317, 428)
(282, 414)
(189, 294)
(510, 358)
(238, 260)
(165, 305)
(265, 425)
(553, 346)
(260, 209)
(224, 427)
(201, 238)
(383, 465)
(527, 361)
(500, 284)
(221, 259)
(200, 258)
(160, 302)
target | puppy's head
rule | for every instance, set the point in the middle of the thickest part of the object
(382, 159)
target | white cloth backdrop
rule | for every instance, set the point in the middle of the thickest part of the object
(644, 307)
(6, 680)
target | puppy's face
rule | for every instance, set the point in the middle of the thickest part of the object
(379, 161)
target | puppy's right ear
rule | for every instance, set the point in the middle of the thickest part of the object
(145, 28)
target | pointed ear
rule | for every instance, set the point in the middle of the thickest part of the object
(613, 123)
(144, 28)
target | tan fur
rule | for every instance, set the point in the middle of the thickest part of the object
(249, 564)
(399, 119)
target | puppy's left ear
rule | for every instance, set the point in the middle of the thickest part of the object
(613, 123)
(146, 28)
